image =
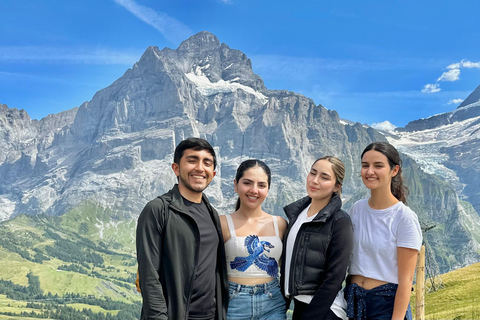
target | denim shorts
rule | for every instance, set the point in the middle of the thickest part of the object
(260, 301)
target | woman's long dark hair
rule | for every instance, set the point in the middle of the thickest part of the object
(248, 164)
(397, 187)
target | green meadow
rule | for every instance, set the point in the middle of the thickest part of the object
(458, 298)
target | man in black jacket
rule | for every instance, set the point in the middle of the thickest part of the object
(180, 251)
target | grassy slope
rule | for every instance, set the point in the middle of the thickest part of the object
(458, 299)
(114, 241)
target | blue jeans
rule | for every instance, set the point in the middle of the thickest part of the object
(260, 301)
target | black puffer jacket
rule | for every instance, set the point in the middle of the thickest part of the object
(168, 241)
(320, 255)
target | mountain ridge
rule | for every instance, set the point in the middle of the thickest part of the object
(469, 108)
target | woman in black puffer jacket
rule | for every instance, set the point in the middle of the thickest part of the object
(317, 245)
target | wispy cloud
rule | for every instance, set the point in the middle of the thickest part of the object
(310, 69)
(306, 63)
(464, 64)
(95, 56)
(44, 77)
(172, 29)
(431, 88)
(455, 101)
(452, 74)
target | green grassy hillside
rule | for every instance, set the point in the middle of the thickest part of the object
(458, 299)
(83, 261)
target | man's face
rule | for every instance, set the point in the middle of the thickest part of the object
(195, 171)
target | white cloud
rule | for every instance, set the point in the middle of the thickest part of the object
(469, 64)
(95, 56)
(450, 75)
(453, 73)
(454, 66)
(383, 126)
(464, 64)
(431, 88)
(172, 29)
(455, 101)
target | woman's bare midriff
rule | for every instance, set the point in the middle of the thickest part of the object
(366, 283)
(250, 281)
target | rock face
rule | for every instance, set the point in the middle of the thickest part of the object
(116, 150)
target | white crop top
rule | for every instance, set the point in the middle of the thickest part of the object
(376, 236)
(253, 256)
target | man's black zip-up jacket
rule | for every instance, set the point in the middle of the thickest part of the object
(320, 256)
(168, 241)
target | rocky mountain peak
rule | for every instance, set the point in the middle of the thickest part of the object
(203, 55)
(472, 98)
(17, 130)
(200, 62)
(200, 42)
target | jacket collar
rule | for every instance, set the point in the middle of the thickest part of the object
(177, 200)
(294, 209)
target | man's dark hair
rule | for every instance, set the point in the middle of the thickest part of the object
(196, 144)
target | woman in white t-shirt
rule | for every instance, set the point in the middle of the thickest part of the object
(253, 247)
(387, 237)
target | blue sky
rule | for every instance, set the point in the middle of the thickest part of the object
(370, 61)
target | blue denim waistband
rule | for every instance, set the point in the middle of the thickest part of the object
(356, 298)
(256, 288)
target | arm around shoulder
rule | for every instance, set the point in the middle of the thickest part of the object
(224, 225)
(149, 244)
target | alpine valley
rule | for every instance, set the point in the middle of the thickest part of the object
(72, 184)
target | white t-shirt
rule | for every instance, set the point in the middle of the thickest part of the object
(376, 236)
(339, 304)
(292, 235)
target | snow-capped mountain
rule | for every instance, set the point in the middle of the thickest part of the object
(116, 149)
(448, 145)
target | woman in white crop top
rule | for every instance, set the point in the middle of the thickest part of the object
(387, 237)
(253, 247)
